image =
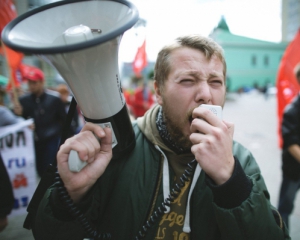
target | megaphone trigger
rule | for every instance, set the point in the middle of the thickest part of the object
(74, 162)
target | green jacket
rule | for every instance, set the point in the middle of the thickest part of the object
(131, 189)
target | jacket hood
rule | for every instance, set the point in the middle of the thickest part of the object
(147, 124)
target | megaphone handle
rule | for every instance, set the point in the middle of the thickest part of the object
(75, 164)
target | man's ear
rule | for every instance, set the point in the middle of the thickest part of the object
(157, 93)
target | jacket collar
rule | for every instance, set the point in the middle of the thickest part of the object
(41, 97)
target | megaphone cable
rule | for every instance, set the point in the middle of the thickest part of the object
(75, 212)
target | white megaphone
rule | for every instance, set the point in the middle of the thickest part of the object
(81, 40)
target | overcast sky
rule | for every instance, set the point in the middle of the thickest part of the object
(167, 19)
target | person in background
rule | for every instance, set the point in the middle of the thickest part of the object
(290, 130)
(142, 99)
(6, 191)
(7, 116)
(6, 196)
(222, 194)
(128, 95)
(49, 115)
(266, 89)
(64, 92)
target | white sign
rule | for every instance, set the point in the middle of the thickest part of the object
(17, 150)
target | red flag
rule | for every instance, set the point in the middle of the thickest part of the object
(8, 13)
(287, 85)
(18, 76)
(14, 60)
(140, 60)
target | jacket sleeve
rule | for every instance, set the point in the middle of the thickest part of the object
(53, 220)
(60, 111)
(253, 217)
(8, 117)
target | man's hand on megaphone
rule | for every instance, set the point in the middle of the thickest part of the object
(98, 156)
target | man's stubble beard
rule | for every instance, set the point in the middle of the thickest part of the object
(174, 128)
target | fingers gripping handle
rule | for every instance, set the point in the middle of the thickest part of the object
(75, 164)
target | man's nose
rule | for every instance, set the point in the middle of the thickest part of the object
(203, 93)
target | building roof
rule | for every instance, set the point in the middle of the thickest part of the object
(222, 25)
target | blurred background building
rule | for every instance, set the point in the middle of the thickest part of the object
(251, 63)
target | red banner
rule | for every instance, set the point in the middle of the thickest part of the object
(287, 85)
(14, 60)
(140, 60)
(7, 14)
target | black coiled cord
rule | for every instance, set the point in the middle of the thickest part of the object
(75, 212)
(167, 202)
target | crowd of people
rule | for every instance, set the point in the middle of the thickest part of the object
(139, 98)
(49, 107)
(185, 169)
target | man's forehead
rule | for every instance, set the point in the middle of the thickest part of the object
(197, 67)
(180, 58)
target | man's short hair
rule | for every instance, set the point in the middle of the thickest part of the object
(297, 72)
(204, 44)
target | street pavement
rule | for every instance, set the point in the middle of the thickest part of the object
(255, 122)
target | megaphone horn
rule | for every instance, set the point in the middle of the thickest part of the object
(81, 40)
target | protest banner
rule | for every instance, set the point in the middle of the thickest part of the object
(17, 150)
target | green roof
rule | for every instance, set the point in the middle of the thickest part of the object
(223, 25)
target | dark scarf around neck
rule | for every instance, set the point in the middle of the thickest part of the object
(165, 135)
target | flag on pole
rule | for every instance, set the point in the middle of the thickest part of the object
(287, 85)
(14, 60)
(140, 60)
(7, 14)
